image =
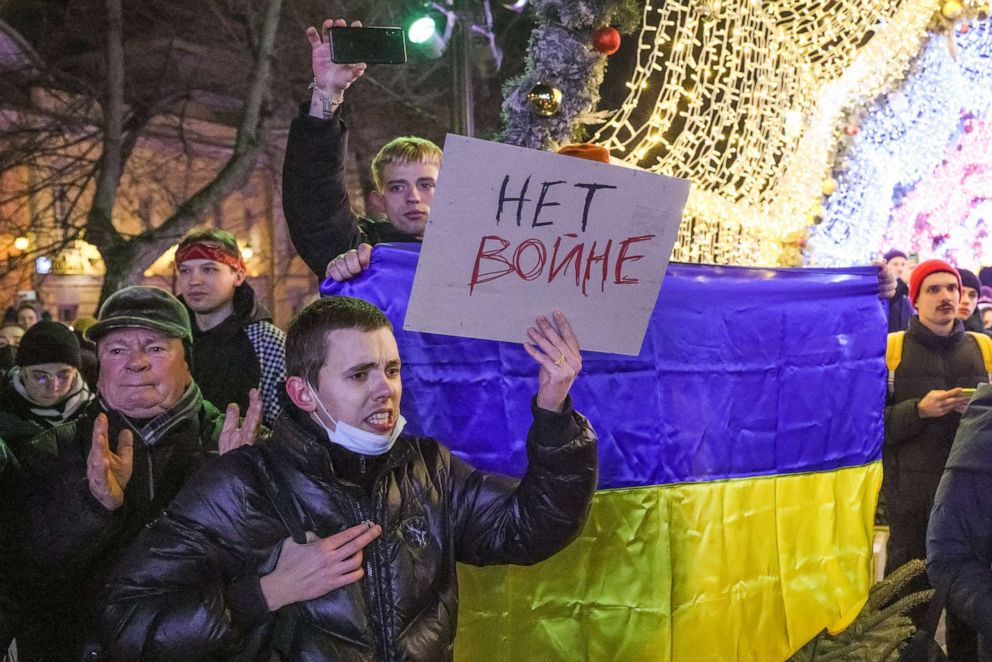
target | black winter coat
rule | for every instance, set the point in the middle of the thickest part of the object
(900, 308)
(227, 365)
(959, 538)
(315, 196)
(62, 542)
(189, 590)
(18, 423)
(915, 448)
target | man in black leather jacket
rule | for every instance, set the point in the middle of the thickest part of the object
(337, 539)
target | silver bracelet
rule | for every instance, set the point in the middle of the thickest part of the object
(323, 96)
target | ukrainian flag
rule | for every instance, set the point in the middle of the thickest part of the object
(739, 467)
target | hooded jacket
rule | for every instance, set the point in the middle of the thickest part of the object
(189, 589)
(900, 308)
(243, 352)
(959, 537)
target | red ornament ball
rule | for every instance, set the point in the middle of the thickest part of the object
(606, 40)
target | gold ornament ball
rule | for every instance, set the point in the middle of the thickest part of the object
(829, 186)
(544, 100)
(951, 10)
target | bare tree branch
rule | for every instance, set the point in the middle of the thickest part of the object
(145, 248)
(100, 227)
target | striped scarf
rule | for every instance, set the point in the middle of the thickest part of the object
(62, 410)
(151, 432)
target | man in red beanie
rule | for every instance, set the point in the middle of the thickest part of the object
(929, 364)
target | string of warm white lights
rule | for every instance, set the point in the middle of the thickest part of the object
(745, 98)
(906, 135)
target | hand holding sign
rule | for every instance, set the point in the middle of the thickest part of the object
(556, 348)
(514, 232)
(348, 265)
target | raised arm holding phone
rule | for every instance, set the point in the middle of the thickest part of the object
(330, 238)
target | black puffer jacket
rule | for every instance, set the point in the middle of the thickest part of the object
(189, 588)
(959, 539)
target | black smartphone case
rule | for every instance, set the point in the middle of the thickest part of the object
(369, 45)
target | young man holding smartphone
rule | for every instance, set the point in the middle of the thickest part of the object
(330, 238)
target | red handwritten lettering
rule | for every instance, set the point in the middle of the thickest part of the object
(493, 255)
(620, 279)
(604, 258)
(542, 255)
(529, 261)
(575, 253)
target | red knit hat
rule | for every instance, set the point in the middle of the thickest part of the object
(924, 269)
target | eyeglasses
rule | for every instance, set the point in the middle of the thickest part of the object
(44, 379)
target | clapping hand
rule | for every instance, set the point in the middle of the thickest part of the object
(108, 472)
(239, 433)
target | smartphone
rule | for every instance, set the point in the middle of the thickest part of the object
(368, 45)
(968, 392)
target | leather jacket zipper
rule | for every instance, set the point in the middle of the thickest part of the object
(151, 478)
(377, 557)
(373, 593)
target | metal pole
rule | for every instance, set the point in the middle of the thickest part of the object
(462, 98)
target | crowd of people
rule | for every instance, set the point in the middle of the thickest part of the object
(294, 520)
(939, 358)
(934, 366)
(180, 479)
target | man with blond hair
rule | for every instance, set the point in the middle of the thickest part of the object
(330, 238)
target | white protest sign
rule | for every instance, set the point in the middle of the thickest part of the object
(515, 233)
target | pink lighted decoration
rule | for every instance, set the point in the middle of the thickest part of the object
(944, 215)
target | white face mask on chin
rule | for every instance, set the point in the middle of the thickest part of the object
(355, 439)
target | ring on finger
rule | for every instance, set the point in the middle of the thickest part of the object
(561, 359)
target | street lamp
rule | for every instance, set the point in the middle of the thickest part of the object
(422, 29)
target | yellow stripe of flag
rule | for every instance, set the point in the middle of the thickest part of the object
(744, 569)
